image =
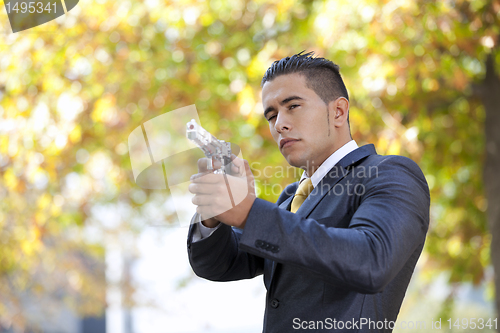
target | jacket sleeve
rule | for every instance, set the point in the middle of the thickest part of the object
(388, 226)
(219, 257)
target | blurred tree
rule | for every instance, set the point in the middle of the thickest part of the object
(73, 89)
(432, 69)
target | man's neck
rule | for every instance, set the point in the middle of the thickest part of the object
(310, 170)
(331, 161)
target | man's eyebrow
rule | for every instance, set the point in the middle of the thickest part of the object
(268, 109)
(291, 98)
(283, 102)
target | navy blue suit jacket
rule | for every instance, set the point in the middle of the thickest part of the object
(343, 261)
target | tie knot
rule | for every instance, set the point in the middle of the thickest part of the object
(305, 187)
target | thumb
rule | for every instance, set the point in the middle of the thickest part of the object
(247, 167)
(238, 165)
(242, 166)
(249, 178)
(245, 170)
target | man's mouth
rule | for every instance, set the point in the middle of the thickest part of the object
(286, 142)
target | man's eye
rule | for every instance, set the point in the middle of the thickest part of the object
(293, 106)
(271, 118)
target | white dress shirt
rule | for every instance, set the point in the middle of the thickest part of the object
(201, 231)
(330, 162)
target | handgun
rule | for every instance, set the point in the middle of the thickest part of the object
(211, 147)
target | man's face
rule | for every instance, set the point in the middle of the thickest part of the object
(299, 121)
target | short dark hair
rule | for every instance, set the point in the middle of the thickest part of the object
(321, 74)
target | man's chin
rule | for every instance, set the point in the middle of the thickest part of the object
(295, 162)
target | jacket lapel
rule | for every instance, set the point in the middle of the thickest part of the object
(339, 171)
(285, 204)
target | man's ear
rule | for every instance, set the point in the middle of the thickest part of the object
(339, 109)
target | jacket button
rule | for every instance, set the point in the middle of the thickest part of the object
(275, 303)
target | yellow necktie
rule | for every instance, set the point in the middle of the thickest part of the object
(300, 196)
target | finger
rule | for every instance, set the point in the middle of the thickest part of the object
(207, 207)
(235, 170)
(207, 178)
(237, 161)
(199, 175)
(202, 200)
(202, 165)
(200, 188)
(239, 164)
(247, 167)
(216, 163)
(205, 212)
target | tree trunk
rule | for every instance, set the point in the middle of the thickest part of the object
(491, 100)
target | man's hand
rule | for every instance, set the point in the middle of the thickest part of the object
(215, 194)
(212, 222)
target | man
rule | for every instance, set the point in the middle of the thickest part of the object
(339, 258)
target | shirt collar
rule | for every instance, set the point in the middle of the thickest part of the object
(330, 162)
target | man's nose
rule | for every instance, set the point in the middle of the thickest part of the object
(282, 123)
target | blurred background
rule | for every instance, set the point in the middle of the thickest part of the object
(84, 249)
